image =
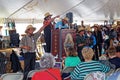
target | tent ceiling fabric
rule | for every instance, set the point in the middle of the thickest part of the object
(82, 9)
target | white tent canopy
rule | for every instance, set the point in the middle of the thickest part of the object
(34, 10)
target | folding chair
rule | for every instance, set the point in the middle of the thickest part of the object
(12, 76)
(114, 76)
(95, 76)
(66, 73)
(110, 72)
(89, 77)
(118, 70)
(68, 69)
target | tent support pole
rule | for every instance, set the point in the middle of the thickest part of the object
(19, 9)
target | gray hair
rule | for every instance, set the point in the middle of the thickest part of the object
(47, 61)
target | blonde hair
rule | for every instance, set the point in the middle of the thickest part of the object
(87, 53)
(69, 39)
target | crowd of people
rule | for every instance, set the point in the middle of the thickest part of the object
(96, 48)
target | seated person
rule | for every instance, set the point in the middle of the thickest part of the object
(71, 60)
(84, 68)
(104, 59)
(62, 24)
(108, 63)
(114, 59)
(47, 61)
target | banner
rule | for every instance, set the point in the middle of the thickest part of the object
(55, 42)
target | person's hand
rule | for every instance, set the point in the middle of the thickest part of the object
(27, 47)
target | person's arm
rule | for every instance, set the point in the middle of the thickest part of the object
(50, 20)
(105, 68)
(42, 28)
(75, 73)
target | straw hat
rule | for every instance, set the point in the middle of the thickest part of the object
(88, 28)
(65, 18)
(29, 27)
(95, 26)
(81, 29)
(47, 14)
(114, 26)
(118, 22)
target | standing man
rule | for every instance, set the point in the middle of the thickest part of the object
(99, 40)
(47, 30)
(80, 41)
(28, 46)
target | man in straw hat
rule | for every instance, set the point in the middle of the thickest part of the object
(113, 32)
(80, 41)
(28, 46)
(62, 24)
(90, 38)
(47, 30)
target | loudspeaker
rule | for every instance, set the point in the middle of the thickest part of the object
(70, 17)
(14, 40)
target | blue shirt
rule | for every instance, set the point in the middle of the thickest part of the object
(60, 25)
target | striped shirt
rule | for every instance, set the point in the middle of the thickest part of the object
(85, 68)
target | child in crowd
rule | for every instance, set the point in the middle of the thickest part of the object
(113, 54)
